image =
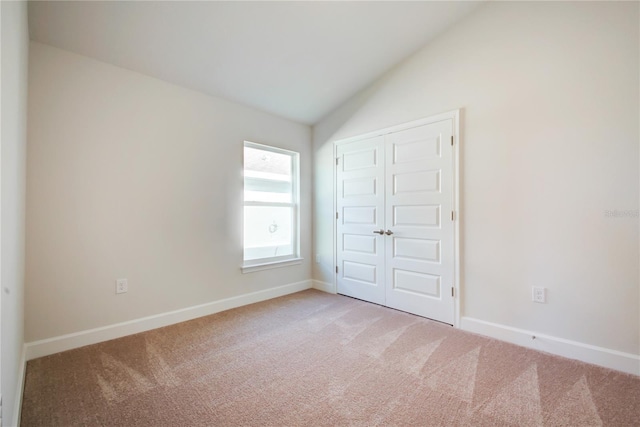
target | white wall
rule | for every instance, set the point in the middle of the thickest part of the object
(550, 130)
(15, 46)
(132, 177)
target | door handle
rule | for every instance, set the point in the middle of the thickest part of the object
(388, 232)
(380, 232)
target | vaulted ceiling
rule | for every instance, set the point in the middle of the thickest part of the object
(298, 60)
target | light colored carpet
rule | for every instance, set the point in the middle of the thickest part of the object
(314, 359)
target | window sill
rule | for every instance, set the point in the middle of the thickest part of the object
(269, 265)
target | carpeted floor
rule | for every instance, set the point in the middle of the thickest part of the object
(315, 359)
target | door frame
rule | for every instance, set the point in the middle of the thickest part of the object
(453, 115)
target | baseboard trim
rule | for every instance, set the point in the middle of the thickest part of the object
(22, 369)
(613, 359)
(324, 286)
(92, 336)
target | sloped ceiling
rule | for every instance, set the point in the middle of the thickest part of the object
(298, 60)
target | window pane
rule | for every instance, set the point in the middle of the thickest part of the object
(265, 190)
(267, 176)
(267, 232)
(260, 196)
(267, 164)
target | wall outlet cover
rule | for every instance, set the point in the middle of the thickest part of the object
(539, 294)
(122, 286)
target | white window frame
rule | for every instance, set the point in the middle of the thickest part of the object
(258, 264)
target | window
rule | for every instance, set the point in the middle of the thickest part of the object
(270, 207)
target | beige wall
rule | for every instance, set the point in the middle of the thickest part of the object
(15, 45)
(132, 177)
(549, 96)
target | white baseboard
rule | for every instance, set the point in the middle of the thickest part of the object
(324, 286)
(92, 336)
(22, 369)
(620, 361)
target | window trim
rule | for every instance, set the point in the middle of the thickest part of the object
(269, 265)
(249, 266)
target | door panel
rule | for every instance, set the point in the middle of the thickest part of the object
(360, 203)
(362, 215)
(413, 183)
(416, 216)
(359, 187)
(416, 150)
(416, 249)
(419, 198)
(420, 284)
(358, 243)
(360, 272)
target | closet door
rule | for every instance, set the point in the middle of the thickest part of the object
(396, 236)
(419, 243)
(360, 222)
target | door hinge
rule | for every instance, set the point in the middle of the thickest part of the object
(336, 269)
(453, 291)
(453, 215)
(336, 215)
(452, 140)
(337, 158)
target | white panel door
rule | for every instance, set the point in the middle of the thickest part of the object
(419, 240)
(395, 230)
(360, 222)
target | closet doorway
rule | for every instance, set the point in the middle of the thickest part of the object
(396, 217)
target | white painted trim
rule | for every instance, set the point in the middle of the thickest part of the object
(457, 238)
(92, 336)
(270, 265)
(334, 221)
(22, 369)
(402, 126)
(613, 359)
(324, 286)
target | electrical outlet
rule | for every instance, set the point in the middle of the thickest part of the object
(122, 286)
(539, 294)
